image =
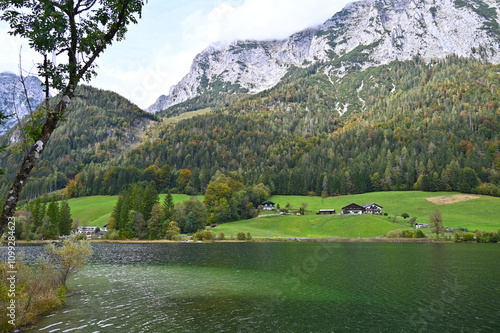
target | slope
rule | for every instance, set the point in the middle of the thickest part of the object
(100, 126)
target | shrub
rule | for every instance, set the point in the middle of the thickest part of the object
(405, 215)
(240, 236)
(172, 230)
(249, 236)
(69, 258)
(37, 292)
(207, 235)
(407, 234)
(221, 236)
(113, 235)
(468, 237)
(198, 234)
(394, 234)
(419, 234)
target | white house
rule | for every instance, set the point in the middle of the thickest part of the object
(268, 205)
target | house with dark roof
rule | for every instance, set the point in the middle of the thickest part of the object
(372, 208)
(268, 205)
(353, 209)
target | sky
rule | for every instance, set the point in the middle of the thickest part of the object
(158, 52)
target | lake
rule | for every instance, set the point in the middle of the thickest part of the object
(283, 287)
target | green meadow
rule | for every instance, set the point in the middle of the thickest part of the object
(475, 214)
(97, 210)
(478, 213)
(312, 226)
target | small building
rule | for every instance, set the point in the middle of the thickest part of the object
(87, 230)
(353, 209)
(326, 212)
(422, 225)
(373, 208)
(268, 205)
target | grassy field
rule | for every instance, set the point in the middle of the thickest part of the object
(479, 213)
(96, 210)
(323, 226)
(475, 214)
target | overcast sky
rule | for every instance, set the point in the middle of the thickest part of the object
(158, 51)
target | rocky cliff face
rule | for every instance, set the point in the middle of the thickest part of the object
(13, 99)
(365, 33)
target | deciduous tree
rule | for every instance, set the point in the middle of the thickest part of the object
(80, 29)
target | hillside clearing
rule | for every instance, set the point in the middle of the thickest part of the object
(450, 199)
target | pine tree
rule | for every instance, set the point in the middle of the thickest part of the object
(168, 207)
(191, 223)
(53, 212)
(149, 199)
(65, 220)
(155, 222)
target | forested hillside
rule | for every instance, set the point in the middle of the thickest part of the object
(99, 127)
(403, 126)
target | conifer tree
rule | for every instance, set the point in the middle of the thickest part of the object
(65, 220)
(168, 207)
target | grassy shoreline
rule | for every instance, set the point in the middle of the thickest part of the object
(259, 240)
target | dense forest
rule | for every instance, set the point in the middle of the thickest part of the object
(403, 126)
(100, 125)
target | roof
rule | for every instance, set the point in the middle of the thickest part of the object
(372, 204)
(268, 203)
(353, 206)
(326, 210)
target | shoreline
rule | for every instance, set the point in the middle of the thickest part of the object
(255, 240)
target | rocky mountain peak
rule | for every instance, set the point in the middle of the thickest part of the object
(364, 34)
(13, 100)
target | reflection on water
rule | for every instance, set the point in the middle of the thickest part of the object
(283, 287)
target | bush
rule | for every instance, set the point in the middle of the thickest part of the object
(172, 230)
(113, 235)
(249, 236)
(198, 235)
(221, 236)
(394, 234)
(419, 234)
(240, 236)
(37, 292)
(407, 234)
(69, 258)
(207, 235)
(468, 237)
(405, 215)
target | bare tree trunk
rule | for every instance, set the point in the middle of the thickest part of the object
(33, 155)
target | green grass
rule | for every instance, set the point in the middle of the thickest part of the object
(312, 226)
(476, 214)
(96, 210)
(473, 214)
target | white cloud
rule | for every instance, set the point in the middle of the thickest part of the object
(158, 52)
(259, 19)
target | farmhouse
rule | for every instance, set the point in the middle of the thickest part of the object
(86, 230)
(353, 209)
(372, 208)
(325, 212)
(268, 205)
(422, 225)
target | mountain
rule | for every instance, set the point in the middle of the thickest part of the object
(13, 99)
(100, 126)
(364, 34)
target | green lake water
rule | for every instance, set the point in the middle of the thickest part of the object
(283, 287)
